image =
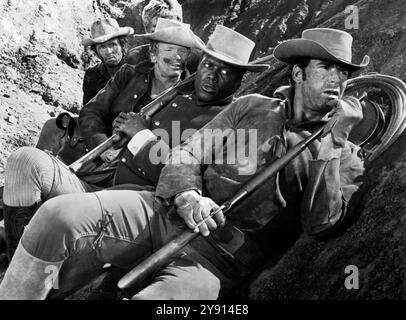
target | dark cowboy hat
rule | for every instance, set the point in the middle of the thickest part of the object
(320, 43)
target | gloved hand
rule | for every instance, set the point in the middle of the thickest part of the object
(193, 208)
(346, 115)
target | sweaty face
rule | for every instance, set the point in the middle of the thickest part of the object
(110, 52)
(323, 85)
(169, 59)
(216, 80)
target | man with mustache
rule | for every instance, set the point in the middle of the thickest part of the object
(218, 77)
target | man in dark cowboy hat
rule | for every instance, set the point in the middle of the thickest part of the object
(110, 237)
(107, 40)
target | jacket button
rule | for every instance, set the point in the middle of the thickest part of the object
(135, 96)
(175, 105)
(146, 80)
(157, 123)
(124, 160)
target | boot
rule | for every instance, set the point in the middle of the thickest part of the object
(2, 237)
(15, 219)
(28, 278)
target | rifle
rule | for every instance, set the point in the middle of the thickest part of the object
(161, 257)
(146, 112)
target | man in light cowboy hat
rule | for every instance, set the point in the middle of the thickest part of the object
(129, 90)
(117, 230)
(168, 9)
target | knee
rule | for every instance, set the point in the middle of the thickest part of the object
(53, 231)
(25, 159)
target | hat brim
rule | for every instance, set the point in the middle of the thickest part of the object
(248, 66)
(174, 35)
(124, 31)
(288, 52)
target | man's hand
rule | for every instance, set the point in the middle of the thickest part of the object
(110, 155)
(193, 208)
(344, 117)
(126, 125)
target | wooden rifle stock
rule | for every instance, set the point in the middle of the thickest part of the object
(139, 274)
(147, 112)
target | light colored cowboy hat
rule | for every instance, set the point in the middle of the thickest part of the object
(103, 30)
(233, 48)
(174, 32)
(320, 43)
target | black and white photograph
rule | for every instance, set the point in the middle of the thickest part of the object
(225, 152)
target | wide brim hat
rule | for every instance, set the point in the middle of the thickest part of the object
(173, 32)
(320, 43)
(104, 30)
(233, 48)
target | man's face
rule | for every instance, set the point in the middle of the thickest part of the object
(216, 80)
(169, 59)
(110, 52)
(323, 85)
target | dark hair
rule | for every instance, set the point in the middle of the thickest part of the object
(302, 63)
(121, 40)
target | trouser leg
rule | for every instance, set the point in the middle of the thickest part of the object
(189, 276)
(104, 227)
(32, 175)
(117, 227)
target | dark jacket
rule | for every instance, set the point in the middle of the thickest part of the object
(180, 114)
(129, 90)
(95, 79)
(126, 91)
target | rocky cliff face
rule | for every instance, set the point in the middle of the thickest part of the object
(41, 70)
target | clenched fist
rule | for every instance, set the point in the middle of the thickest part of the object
(344, 117)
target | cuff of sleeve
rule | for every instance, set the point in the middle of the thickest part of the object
(139, 140)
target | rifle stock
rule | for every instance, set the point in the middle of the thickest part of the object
(146, 268)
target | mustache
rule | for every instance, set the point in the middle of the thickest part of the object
(175, 61)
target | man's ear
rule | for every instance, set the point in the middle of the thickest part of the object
(153, 57)
(297, 74)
